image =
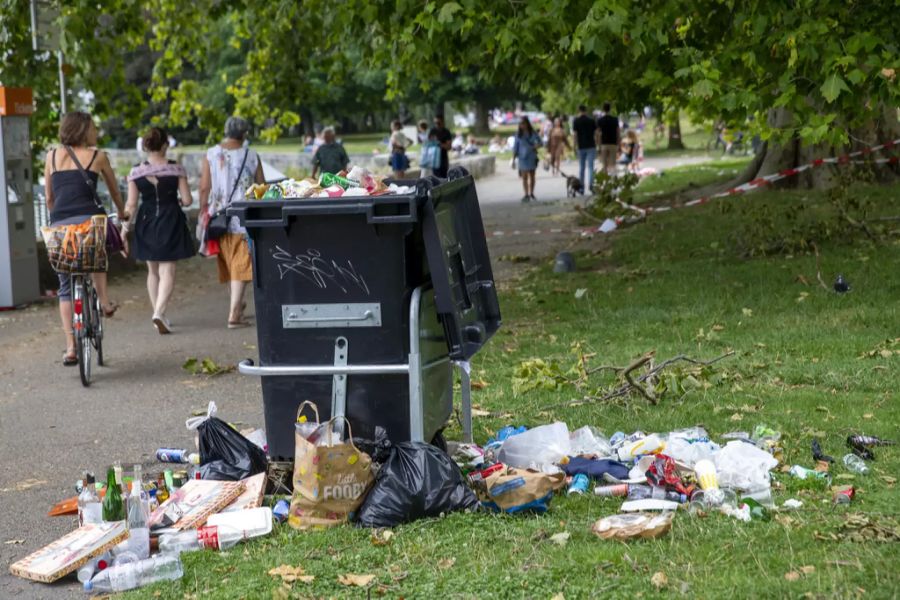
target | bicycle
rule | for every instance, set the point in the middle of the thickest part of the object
(87, 323)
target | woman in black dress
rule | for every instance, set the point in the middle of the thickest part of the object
(161, 234)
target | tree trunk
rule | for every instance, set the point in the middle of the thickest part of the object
(307, 121)
(774, 158)
(675, 141)
(482, 126)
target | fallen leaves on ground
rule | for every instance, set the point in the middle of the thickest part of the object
(560, 538)
(23, 485)
(446, 563)
(381, 537)
(355, 579)
(9, 542)
(792, 576)
(289, 574)
(659, 580)
(479, 384)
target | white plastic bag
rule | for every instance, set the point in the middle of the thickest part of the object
(537, 448)
(589, 440)
(744, 466)
(688, 453)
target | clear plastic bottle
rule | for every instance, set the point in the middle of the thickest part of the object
(213, 537)
(89, 508)
(137, 520)
(93, 566)
(856, 464)
(135, 574)
(642, 492)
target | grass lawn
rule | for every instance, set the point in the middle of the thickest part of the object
(673, 285)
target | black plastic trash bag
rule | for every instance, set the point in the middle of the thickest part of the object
(417, 480)
(379, 448)
(225, 455)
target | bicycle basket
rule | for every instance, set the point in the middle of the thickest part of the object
(78, 248)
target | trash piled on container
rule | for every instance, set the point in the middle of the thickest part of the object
(357, 182)
(131, 531)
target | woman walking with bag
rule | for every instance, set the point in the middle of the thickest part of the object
(161, 234)
(225, 173)
(71, 173)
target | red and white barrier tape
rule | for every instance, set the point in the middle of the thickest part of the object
(613, 224)
(765, 180)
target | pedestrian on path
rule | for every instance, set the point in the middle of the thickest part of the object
(558, 142)
(161, 234)
(525, 152)
(610, 138)
(71, 193)
(330, 157)
(444, 138)
(399, 143)
(225, 173)
(586, 146)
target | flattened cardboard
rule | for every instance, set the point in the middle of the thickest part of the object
(197, 500)
(70, 552)
(252, 496)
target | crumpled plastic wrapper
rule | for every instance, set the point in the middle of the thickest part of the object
(635, 525)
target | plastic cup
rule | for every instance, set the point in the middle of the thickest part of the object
(706, 475)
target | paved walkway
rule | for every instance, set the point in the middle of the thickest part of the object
(51, 428)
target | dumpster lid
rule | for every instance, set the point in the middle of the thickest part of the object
(460, 265)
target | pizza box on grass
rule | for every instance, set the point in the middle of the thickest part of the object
(70, 552)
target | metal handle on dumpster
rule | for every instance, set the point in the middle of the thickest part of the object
(363, 317)
(246, 367)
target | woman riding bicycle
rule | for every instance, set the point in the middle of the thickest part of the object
(71, 201)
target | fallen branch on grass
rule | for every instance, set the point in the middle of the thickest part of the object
(818, 268)
(633, 384)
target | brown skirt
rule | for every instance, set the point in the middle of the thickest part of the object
(234, 258)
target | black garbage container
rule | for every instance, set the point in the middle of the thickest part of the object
(363, 303)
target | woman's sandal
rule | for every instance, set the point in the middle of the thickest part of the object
(70, 360)
(110, 309)
(238, 324)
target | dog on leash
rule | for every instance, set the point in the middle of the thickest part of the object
(574, 186)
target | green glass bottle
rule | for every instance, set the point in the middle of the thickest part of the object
(113, 506)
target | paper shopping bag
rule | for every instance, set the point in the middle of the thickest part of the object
(331, 477)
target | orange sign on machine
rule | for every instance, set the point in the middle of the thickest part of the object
(15, 102)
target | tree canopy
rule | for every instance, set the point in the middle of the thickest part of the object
(831, 65)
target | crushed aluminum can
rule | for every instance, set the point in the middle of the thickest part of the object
(844, 495)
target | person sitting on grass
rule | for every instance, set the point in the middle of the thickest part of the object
(330, 157)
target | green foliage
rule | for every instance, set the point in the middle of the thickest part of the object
(609, 188)
(206, 366)
(795, 227)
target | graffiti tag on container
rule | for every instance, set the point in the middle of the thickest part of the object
(318, 270)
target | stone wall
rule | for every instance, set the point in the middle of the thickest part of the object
(480, 165)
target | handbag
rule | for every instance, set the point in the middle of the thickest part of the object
(218, 222)
(431, 155)
(114, 241)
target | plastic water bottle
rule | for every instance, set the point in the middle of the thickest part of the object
(856, 464)
(136, 574)
(213, 537)
(643, 492)
(138, 514)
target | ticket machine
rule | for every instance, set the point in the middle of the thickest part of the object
(18, 239)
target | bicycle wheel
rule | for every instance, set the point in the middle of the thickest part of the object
(83, 349)
(97, 325)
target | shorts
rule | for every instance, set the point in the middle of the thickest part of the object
(399, 161)
(234, 258)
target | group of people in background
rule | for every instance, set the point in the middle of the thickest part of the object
(591, 134)
(157, 190)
